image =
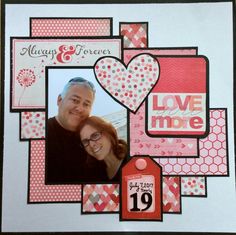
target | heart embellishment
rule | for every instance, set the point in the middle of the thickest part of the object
(128, 85)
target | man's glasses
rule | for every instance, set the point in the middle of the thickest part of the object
(94, 137)
(83, 81)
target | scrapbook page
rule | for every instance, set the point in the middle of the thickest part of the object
(118, 117)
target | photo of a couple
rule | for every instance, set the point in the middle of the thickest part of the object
(81, 147)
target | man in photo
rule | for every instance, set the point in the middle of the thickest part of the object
(65, 157)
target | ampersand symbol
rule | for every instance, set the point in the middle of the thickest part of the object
(65, 53)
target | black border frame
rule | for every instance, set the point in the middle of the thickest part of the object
(47, 68)
(4, 2)
(206, 105)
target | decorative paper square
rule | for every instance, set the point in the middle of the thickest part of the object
(135, 34)
(194, 186)
(100, 198)
(171, 195)
(32, 125)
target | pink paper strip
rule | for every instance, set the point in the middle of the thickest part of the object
(70, 27)
(142, 144)
(130, 53)
(38, 191)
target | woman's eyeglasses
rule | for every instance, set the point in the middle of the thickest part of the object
(94, 137)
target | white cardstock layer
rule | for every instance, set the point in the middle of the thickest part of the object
(207, 26)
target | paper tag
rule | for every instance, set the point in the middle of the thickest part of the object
(141, 190)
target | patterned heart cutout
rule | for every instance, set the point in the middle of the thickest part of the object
(128, 85)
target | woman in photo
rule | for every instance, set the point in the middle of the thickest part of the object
(99, 139)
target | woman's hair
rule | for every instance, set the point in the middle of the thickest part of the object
(119, 146)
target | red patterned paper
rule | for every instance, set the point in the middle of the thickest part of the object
(100, 198)
(213, 152)
(38, 191)
(135, 34)
(70, 27)
(178, 105)
(171, 195)
(193, 186)
(32, 125)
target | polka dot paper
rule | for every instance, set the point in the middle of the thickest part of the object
(70, 27)
(129, 86)
(38, 191)
(193, 186)
(32, 125)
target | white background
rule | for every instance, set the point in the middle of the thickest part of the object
(207, 26)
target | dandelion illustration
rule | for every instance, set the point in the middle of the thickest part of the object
(26, 78)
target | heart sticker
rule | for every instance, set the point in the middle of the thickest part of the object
(128, 85)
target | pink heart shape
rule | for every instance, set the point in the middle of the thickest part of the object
(129, 85)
